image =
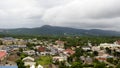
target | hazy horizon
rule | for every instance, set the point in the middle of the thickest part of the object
(81, 14)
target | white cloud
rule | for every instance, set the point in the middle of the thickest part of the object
(88, 14)
(85, 14)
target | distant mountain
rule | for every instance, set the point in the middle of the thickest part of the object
(55, 30)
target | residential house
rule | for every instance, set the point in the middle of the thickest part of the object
(8, 66)
(60, 50)
(20, 42)
(101, 52)
(107, 45)
(60, 44)
(103, 57)
(117, 42)
(29, 61)
(45, 53)
(3, 55)
(32, 66)
(59, 58)
(82, 58)
(95, 48)
(39, 66)
(86, 60)
(41, 49)
(54, 51)
(86, 48)
(7, 41)
(22, 46)
(68, 51)
(29, 52)
(73, 48)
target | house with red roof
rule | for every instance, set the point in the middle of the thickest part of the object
(41, 49)
(60, 43)
(3, 55)
(103, 57)
(117, 42)
(68, 51)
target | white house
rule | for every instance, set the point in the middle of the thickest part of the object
(107, 45)
(86, 48)
(29, 61)
(33, 66)
(39, 66)
(29, 52)
(59, 58)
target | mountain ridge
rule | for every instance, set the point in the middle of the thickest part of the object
(57, 30)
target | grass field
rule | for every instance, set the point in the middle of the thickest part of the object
(44, 60)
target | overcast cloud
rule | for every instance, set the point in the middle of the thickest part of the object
(82, 14)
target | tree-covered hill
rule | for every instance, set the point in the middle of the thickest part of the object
(55, 30)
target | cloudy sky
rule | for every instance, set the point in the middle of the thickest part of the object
(82, 14)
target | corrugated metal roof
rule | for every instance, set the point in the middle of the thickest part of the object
(8, 66)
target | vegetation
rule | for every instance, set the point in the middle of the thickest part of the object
(77, 65)
(44, 60)
(99, 65)
(20, 63)
(72, 41)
